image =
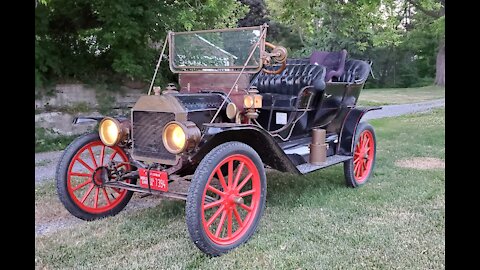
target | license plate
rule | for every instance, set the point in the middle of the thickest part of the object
(158, 179)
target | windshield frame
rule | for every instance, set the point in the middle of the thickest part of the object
(218, 69)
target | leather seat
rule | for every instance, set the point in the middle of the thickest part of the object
(291, 80)
(334, 62)
(356, 71)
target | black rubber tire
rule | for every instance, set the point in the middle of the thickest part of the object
(348, 165)
(195, 193)
(61, 179)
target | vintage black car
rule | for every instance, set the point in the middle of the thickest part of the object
(240, 106)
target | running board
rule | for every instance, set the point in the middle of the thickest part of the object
(331, 160)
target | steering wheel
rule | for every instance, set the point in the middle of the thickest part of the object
(278, 54)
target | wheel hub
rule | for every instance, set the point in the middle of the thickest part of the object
(100, 176)
(233, 199)
(238, 200)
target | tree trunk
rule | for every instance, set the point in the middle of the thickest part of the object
(440, 65)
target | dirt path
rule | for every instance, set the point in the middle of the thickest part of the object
(396, 110)
(45, 166)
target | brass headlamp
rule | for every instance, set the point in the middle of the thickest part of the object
(112, 131)
(178, 137)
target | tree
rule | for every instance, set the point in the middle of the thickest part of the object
(435, 9)
(115, 39)
(396, 34)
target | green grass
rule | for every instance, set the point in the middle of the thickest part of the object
(386, 96)
(396, 221)
(47, 140)
(76, 108)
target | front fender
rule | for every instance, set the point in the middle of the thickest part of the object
(349, 126)
(90, 119)
(260, 140)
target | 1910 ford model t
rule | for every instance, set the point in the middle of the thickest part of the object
(238, 110)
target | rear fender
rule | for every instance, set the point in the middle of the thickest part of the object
(349, 126)
(261, 141)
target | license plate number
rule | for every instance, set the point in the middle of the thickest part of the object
(158, 179)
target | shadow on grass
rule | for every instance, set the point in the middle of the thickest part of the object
(286, 189)
(151, 218)
(283, 189)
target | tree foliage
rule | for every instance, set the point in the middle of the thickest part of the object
(401, 37)
(113, 41)
(95, 39)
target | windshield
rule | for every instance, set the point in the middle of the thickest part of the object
(225, 50)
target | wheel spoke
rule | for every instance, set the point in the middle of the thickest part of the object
(366, 164)
(102, 155)
(230, 174)
(220, 224)
(246, 193)
(215, 215)
(359, 169)
(221, 179)
(84, 164)
(358, 148)
(112, 156)
(93, 157)
(95, 202)
(237, 216)
(88, 193)
(229, 223)
(214, 190)
(106, 196)
(356, 166)
(240, 186)
(80, 174)
(239, 173)
(117, 190)
(355, 161)
(212, 204)
(81, 185)
(244, 206)
(365, 143)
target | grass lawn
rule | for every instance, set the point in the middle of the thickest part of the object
(386, 96)
(396, 221)
(45, 141)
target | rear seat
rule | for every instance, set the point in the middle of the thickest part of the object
(356, 71)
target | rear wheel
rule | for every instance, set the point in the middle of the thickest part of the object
(224, 209)
(79, 183)
(359, 169)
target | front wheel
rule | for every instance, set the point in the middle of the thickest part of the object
(224, 209)
(359, 169)
(78, 176)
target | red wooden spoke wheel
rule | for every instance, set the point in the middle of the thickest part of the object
(226, 198)
(79, 178)
(359, 169)
(363, 156)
